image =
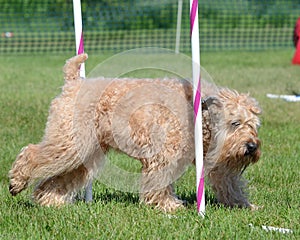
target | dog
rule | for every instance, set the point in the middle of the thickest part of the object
(150, 120)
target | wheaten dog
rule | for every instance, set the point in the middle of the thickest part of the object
(150, 120)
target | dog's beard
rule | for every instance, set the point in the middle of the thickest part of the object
(236, 155)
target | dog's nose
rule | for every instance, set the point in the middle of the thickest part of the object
(251, 147)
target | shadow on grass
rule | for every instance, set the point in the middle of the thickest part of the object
(190, 199)
(110, 195)
(22, 203)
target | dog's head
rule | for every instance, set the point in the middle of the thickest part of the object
(235, 128)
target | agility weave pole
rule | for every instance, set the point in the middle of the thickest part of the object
(194, 33)
(195, 44)
(78, 32)
(80, 49)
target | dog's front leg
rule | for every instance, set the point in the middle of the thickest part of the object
(229, 188)
(157, 188)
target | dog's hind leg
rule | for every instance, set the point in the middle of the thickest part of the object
(61, 189)
(20, 174)
(44, 161)
(35, 162)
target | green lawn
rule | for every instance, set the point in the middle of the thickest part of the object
(27, 85)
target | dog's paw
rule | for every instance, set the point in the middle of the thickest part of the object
(14, 189)
(171, 205)
(17, 181)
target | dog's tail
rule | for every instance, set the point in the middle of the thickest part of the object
(71, 68)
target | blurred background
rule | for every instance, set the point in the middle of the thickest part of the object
(112, 26)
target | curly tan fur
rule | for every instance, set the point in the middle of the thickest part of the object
(148, 119)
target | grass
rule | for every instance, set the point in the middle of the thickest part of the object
(27, 85)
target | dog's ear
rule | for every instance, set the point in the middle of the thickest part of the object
(209, 101)
(254, 107)
(212, 109)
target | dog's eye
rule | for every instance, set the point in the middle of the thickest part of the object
(235, 124)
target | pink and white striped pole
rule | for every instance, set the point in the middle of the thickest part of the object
(78, 32)
(195, 43)
(80, 49)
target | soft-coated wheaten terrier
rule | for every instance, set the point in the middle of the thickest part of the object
(150, 120)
